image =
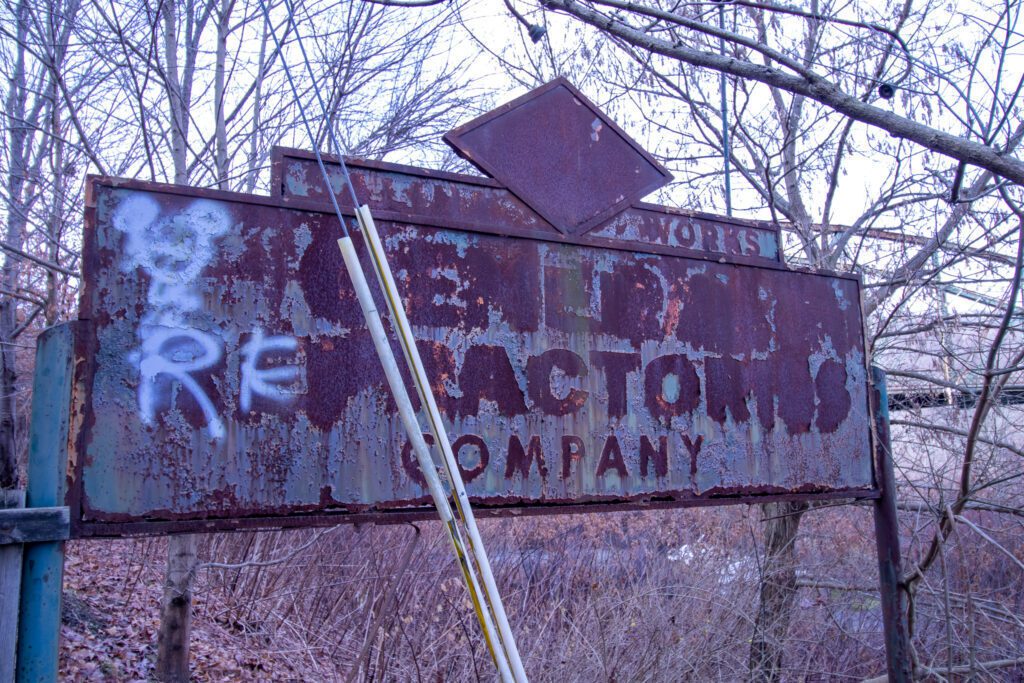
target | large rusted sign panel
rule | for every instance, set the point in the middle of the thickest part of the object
(228, 377)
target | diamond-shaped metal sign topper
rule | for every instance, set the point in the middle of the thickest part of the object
(555, 150)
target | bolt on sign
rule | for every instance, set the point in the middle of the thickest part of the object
(585, 347)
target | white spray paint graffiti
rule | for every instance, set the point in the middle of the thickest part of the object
(266, 382)
(179, 363)
(173, 250)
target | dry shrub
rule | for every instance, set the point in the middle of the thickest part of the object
(633, 596)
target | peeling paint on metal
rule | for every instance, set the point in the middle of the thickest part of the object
(566, 372)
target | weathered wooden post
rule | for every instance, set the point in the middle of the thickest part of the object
(43, 565)
(11, 500)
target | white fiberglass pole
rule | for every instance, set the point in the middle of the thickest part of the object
(408, 416)
(412, 428)
(412, 357)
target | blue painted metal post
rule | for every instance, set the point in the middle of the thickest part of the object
(887, 539)
(43, 564)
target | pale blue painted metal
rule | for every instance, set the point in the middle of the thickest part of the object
(43, 566)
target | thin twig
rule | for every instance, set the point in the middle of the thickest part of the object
(268, 563)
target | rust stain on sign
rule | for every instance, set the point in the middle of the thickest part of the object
(434, 198)
(228, 373)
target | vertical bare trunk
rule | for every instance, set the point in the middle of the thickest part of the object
(15, 235)
(219, 76)
(778, 591)
(172, 661)
(252, 171)
(55, 224)
(175, 97)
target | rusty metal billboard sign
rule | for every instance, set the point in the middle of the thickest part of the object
(641, 356)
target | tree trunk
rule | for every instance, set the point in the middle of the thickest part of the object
(219, 94)
(778, 590)
(252, 164)
(172, 660)
(176, 103)
(14, 235)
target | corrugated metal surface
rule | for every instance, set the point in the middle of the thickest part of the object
(228, 372)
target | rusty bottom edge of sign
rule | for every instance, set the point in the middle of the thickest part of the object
(260, 523)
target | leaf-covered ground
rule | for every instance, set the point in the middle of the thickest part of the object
(111, 614)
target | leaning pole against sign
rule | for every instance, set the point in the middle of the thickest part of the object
(584, 350)
(482, 603)
(487, 602)
(437, 430)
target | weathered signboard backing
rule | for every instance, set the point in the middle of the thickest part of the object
(227, 377)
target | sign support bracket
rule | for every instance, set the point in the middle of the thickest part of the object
(887, 539)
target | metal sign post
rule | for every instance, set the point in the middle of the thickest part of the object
(887, 538)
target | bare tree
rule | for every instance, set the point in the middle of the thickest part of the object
(645, 26)
(176, 92)
(780, 93)
(919, 193)
(38, 166)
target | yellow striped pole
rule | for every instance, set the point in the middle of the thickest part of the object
(422, 451)
(437, 429)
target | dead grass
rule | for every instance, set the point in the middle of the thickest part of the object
(656, 596)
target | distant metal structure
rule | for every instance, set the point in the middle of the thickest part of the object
(588, 351)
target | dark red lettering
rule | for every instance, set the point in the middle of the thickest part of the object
(484, 456)
(712, 238)
(487, 374)
(693, 236)
(455, 287)
(708, 317)
(411, 465)
(730, 382)
(631, 298)
(807, 327)
(796, 402)
(572, 450)
(660, 456)
(326, 288)
(439, 365)
(520, 461)
(833, 398)
(437, 296)
(749, 243)
(611, 458)
(743, 242)
(682, 382)
(330, 387)
(616, 366)
(694, 448)
(729, 240)
(538, 381)
(684, 234)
